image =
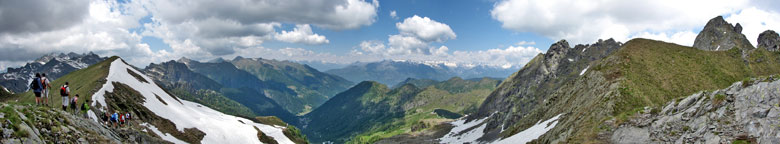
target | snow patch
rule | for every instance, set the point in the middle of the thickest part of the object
(533, 132)
(165, 136)
(571, 60)
(219, 127)
(455, 136)
(584, 70)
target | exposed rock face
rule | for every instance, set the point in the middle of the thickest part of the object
(719, 35)
(536, 81)
(769, 40)
(746, 112)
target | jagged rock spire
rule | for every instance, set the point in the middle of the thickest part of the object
(719, 35)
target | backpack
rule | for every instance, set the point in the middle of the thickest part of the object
(64, 91)
(85, 106)
(36, 84)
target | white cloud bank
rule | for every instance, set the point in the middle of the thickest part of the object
(588, 21)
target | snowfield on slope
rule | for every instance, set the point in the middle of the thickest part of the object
(525, 136)
(533, 132)
(455, 136)
(219, 127)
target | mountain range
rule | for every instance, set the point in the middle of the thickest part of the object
(720, 90)
(296, 87)
(53, 65)
(391, 72)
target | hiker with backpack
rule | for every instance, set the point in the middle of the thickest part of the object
(46, 88)
(37, 87)
(105, 118)
(85, 108)
(121, 120)
(114, 119)
(64, 92)
(73, 104)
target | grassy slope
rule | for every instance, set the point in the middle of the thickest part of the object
(84, 82)
(656, 72)
(651, 73)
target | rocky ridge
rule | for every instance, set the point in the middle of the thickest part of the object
(745, 111)
(541, 77)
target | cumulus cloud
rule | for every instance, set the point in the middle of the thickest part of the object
(588, 21)
(201, 29)
(425, 29)
(301, 34)
(415, 37)
(334, 14)
(103, 30)
(754, 21)
(29, 16)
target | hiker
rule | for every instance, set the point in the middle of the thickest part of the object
(114, 119)
(105, 118)
(37, 87)
(64, 92)
(46, 88)
(73, 104)
(121, 120)
(127, 117)
(85, 108)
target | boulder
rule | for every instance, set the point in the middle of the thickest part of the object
(769, 39)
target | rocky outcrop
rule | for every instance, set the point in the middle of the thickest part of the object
(28, 124)
(719, 35)
(745, 111)
(769, 39)
(536, 81)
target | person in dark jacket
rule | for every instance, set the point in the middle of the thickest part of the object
(37, 88)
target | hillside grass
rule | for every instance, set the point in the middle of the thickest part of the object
(656, 72)
(83, 82)
(652, 73)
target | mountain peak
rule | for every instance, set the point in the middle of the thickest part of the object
(719, 35)
(769, 39)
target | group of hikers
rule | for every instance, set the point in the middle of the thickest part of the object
(117, 119)
(41, 86)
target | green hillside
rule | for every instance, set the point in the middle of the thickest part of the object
(370, 111)
(84, 82)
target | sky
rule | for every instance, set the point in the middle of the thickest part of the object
(505, 33)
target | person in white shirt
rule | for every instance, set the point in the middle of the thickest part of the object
(65, 91)
(46, 89)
